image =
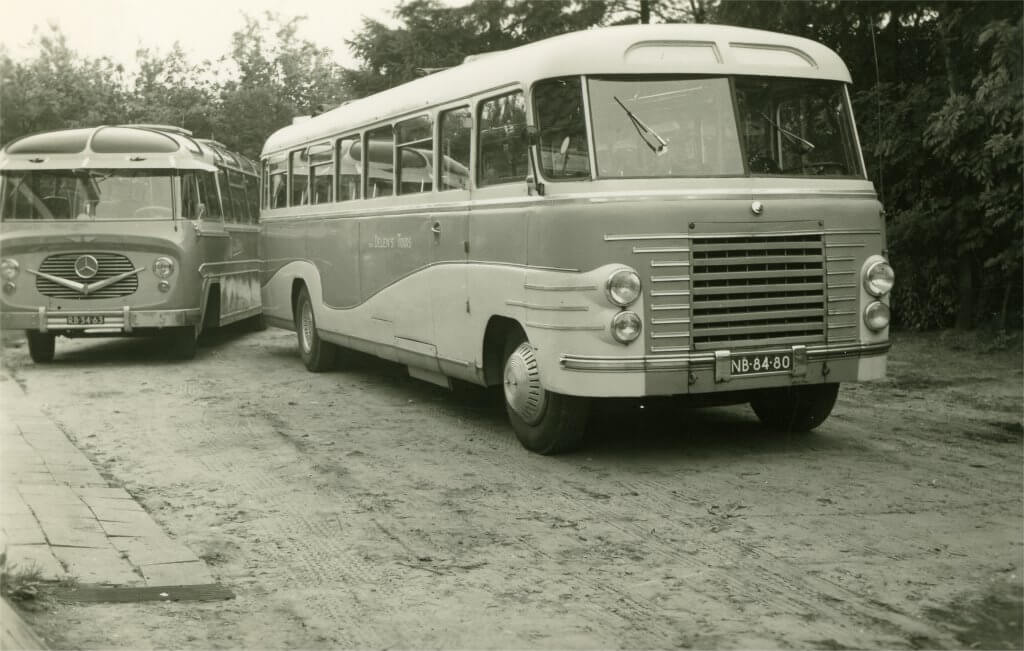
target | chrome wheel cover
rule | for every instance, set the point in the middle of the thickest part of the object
(306, 326)
(523, 391)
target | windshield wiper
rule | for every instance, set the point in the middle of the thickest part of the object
(806, 144)
(644, 131)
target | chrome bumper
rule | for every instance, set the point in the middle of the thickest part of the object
(124, 320)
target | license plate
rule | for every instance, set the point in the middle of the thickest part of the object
(87, 319)
(750, 364)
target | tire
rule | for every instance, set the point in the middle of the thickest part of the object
(184, 342)
(544, 422)
(40, 346)
(795, 409)
(318, 355)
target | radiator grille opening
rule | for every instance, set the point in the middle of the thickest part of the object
(758, 291)
(62, 265)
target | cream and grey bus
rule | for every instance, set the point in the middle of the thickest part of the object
(656, 210)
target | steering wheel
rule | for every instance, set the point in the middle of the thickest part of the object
(153, 212)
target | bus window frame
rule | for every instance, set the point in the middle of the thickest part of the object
(389, 126)
(321, 145)
(478, 121)
(357, 137)
(439, 155)
(401, 145)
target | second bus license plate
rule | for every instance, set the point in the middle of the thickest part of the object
(85, 319)
(749, 364)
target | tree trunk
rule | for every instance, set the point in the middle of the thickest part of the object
(645, 11)
(965, 294)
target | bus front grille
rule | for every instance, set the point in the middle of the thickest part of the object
(764, 290)
(63, 266)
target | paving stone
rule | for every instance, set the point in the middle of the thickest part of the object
(11, 503)
(141, 527)
(194, 573)
(54, 511)
(98, 504)
(153, 550)
(100, 565)
(50, 493)
(68, 533)
(40, 556)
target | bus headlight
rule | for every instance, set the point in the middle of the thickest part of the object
(876, 315)
(879, 277)
(9, 268)
(626, 327)
(163, 267)
(623, 287)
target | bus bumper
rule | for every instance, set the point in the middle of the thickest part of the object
(712, 371)
(124, 320)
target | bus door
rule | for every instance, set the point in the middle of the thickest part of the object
(449, 225)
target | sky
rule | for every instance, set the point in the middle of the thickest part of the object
(117, 28)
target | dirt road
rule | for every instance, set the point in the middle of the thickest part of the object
(361, 508)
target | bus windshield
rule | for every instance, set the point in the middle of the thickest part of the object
(687, 127)
(86, 194)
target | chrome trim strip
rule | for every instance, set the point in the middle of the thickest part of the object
(669, 263)
(553, 308)
(660, 249)
(801, 356)
(126, 313)
(553, 326)
(559, 288)
(667, 236)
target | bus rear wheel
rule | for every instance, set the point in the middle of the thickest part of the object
(544, 422)
(40, 346)
(795, 409)
(318, 355)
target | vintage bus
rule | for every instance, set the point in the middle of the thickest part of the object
(126, 230)
(657, 210)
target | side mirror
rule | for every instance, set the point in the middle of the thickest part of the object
(201, 211)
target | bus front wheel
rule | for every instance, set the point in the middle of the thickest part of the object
(184, 342)
(318, 355)
(795, 409)
(40, 346)
(544, 422)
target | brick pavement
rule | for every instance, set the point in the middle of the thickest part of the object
(58, 514)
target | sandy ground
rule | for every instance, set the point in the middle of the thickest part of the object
(361, 508)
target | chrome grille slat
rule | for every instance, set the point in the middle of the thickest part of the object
(757, 290)
(62, 265)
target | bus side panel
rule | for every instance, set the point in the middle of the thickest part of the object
(283, 241)
(334, 249)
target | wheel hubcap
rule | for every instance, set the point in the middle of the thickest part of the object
(523, 391)
(306, 326)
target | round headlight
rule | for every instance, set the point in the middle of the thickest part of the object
(879, 278)
(876, 315)
(626, 327)
(163, 267)
(9, 268)
(623, 287)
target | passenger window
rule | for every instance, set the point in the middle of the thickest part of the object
(502, 156)
(380, 163)
(300, 179)
(277, 168)
(456, 126)
(321, 172)
(238, 199)
(230, 214)
(415, 155)
(350, 169)
(252, 193)
(209, 196)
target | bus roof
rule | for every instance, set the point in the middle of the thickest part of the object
(143, 146)
(628, 49)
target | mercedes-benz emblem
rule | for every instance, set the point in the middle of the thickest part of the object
(86, 266)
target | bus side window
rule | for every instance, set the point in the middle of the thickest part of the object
(502, 157)
(321, 172)
(564, 149)
(456, 126)
(238, 200)
(277, 186)
(191, 205)
(300, 178)
(208, 196)
(230, 213)
(350, 169)
(380, 168)
(252, 197)
(415, 155)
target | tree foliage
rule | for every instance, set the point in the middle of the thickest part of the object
(937, 89)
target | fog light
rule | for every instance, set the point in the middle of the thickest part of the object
(9, 268)
(9, 287)
(163, 267)
(164, 286)
(626, 327)
(623, 287)
(876, 316)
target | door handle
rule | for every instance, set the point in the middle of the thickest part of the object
(436, 228)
